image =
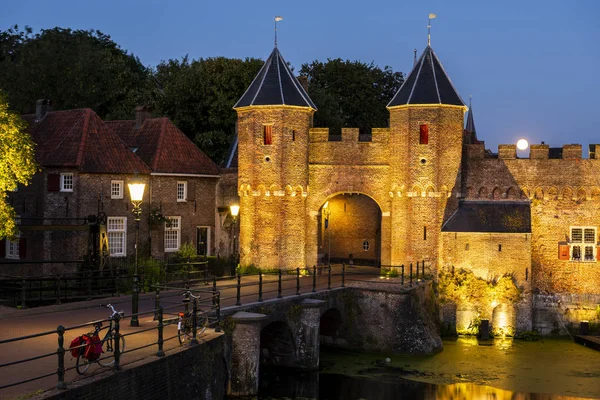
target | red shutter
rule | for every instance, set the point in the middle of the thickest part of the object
(563, 251)
(53, 182)
(3, 248)
(268, 134)
(424, 134)
(22, 248)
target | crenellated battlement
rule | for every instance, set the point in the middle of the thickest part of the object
(351, 148)
(350, 135)
(536, 152)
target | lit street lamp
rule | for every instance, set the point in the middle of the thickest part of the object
(136, 193)
(235, 210)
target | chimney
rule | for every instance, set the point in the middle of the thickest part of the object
(141, 114)
(42, 106)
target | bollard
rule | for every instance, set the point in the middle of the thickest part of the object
(298, 281)
(314, 288)
(156, 303)
(117, 343)
(260, 285)
(160, 352)
(279, 284)
(329, 276)
(214, 290)
(410, 274)
(417, 279)
(218, 312)
(238, 295)
(194, 322)
(343, 275)
(402, 274)
(61, 358)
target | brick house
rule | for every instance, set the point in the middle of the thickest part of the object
(86, 164)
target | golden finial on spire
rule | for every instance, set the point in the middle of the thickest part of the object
(431, 16)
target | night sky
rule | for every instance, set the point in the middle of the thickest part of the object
(532, 67)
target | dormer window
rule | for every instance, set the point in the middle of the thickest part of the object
(267, 134)
(424, 134)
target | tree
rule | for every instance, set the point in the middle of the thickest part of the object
(198, 97)
(74, 69)
(17, 163)
(350, 93)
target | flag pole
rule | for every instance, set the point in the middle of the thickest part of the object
(429, 31)
(277, 19)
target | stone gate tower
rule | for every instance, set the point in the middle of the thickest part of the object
(426, 135)
(274, 118)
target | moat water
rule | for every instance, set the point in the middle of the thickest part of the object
(466, 369)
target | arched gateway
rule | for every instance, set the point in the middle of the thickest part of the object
(396, 186)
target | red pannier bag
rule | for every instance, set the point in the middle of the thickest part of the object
(74, 347)
(93, 350)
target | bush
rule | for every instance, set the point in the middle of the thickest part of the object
(389, 272)
(529, 336)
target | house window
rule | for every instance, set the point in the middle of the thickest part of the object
(366, 245)
(424, 134)
(66, 182)
(267, 134)
(181, 191)
(12, 249)
(293, 135)
(172, 233)
(116, 228)
(583, 243)
(116, 189)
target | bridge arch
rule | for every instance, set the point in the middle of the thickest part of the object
(277, 345)
(330, 325)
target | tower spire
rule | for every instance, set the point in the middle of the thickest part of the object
(277, 19)
(431, 16)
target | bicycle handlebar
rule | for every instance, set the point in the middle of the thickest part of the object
(114, 312)
(189, 293)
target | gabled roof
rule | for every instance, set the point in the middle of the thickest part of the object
(490, 216)
(163, 147)
(274, 85)
(80, 139)
(427, 83)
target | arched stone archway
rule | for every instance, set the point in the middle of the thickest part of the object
(277, 345)
(330, 325)
(350, 230)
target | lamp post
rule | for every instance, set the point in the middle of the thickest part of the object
(235, 210)
(136, 192)
(327, 214)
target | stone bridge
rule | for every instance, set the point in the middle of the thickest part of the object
(372, 316)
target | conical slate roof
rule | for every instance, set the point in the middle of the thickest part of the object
(470, 127)
(275, 85)
(427, 83)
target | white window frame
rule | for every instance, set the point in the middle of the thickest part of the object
(172, 226)
(64, 187)
(580, 244)
(184, 192)
(118, 194)
(12, 248)
(113, 230)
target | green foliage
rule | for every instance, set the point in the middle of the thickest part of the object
(252, 269)
(350, 93)
(187, 251)
(73, 68)
(156, 218)
(529, 336)
(389, 272)
(153, 272)
(17, 163)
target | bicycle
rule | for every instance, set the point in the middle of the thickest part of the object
(107, 358)
(186, 320)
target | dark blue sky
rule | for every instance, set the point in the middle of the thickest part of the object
(532, 66)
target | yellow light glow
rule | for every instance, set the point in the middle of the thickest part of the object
(136, 191)
(522, 144)
(326, 204)
(235, 210)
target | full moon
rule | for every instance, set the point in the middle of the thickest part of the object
(522, 144)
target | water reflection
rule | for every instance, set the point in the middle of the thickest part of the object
(288, 384)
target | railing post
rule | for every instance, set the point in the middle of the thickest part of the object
(57, 289)
(160, 352)
(23, 296)
(117, 344)
(343, 274)
(61, 358)
(314, 288)
(206, 274)
(260, 285)
(239, 289)
(279, 283)
(194, 322)
(329, 276)
(417, 272)
(298, 281)
(410, 274)
(214, 290)
(156, 303)
(402, 274)
(218, 312)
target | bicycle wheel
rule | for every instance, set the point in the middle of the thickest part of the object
(107, 358)
(184, 330)
(82, 364)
